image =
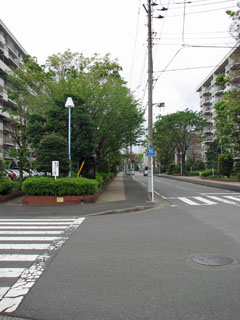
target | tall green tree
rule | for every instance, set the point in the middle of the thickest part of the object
(180, 130)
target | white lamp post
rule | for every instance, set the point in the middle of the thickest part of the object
(69, 104)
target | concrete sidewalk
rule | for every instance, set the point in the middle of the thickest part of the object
(122, 195)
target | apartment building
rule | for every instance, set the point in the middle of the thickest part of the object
(211, 92)
(11, 54)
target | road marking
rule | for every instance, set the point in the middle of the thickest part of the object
(182, 188)
(20, 257)
(34, 223)
(31, 232)
(33, 227)
(205, 200)
(11, 297)
(232, 198)
(29, 238)
(11, 272)
(23, 246)
(3, 291)
(39, 220)
(188, 201)
(221, 200)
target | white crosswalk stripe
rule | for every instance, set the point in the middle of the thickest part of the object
(208, 199)
(41, 238)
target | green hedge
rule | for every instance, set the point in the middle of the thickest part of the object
(6, 185)
(193, 173)
(43, 186)
(207, 173)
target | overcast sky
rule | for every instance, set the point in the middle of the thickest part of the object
(119, 27)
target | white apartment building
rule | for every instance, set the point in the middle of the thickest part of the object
(11, 54)
(211, 92)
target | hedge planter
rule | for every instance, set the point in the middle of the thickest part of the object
(59, 200)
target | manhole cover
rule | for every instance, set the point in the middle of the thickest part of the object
(212, 260)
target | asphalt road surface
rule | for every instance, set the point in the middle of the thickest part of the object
(157, 264)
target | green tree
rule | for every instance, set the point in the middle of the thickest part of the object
(225, 164)
(180, 130)
(52, 148)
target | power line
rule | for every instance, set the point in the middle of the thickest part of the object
(197, 12)
(183, 69)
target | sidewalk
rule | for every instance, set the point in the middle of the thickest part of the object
(227, 185)
(122, 195)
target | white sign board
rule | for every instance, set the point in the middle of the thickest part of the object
(55, 168)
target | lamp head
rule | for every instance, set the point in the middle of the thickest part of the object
(69, 103)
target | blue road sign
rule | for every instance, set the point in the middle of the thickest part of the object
(150, 151)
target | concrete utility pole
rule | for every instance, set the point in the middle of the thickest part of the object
(150, 89)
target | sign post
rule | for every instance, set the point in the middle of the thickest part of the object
(151, 153)
(55, 169)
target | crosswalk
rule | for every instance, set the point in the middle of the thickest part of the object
(207, 199)
(25, 247)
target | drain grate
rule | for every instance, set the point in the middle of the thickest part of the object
(212, 260)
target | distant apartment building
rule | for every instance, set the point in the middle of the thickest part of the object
(11, 54)
(211, 92)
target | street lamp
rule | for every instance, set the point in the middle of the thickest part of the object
(69, 104)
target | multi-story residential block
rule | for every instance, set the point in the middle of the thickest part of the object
(211, 92)
(11, 54)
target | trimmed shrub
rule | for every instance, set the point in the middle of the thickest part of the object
(238, 176)
(236, 167)
(100, 180)
(206, 173)
(172, 168)
(6, 186)
(225, 164)
(61, 187)
(193, 173)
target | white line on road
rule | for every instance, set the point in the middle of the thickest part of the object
(23, 246)
(232, 198)
(29, 276)
(205, 200)
(20, 257)
(29, 238)
(40, 220)
(30, 232)
(3, 291)
(11, 272)
(33, 227)
(35, 223)
(188, 201)
(182, 188)
(221, 200)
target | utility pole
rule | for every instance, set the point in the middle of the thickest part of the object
(150, 89)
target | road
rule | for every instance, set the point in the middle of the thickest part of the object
(136, 266)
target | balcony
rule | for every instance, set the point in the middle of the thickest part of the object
(13, 50)
(3, 93)
(208, 130)
(207, 140)
(205, 91)
(217, 90)
(206, 100)
(206, 110)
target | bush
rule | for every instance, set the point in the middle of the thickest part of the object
(193, 173)
(43, 186)
(238, 176)
(172, 168)
(236, 167)
(206, 173)
(225, 164)
(6, 186)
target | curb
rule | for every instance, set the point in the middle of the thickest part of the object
(120, 211)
